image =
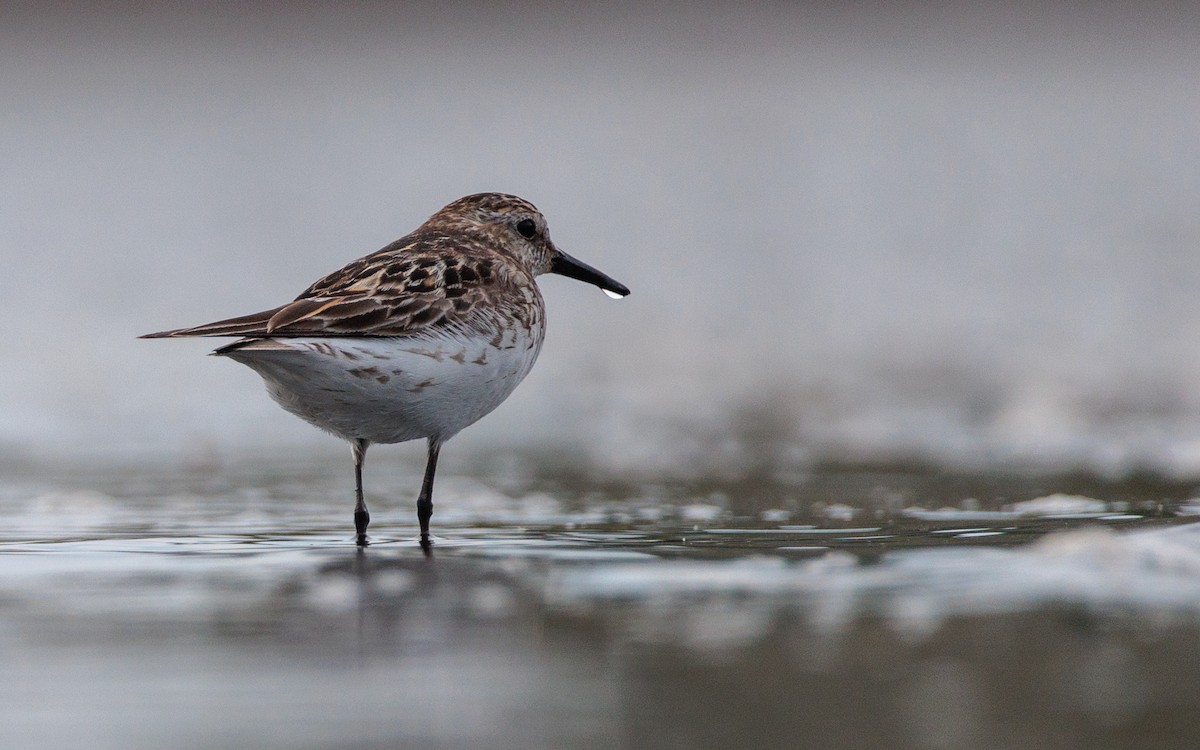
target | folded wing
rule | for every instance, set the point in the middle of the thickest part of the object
(400, 290)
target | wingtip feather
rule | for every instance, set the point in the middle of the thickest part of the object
(246, 325)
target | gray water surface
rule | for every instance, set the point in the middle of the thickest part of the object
(229, 607)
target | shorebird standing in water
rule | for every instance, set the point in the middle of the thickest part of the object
(417, 340)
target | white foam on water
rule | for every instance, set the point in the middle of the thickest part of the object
(1143, 573)
(1060, 505)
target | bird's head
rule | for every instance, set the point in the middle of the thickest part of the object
(519, 229)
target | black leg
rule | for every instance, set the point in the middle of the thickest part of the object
(425, 499)
(361, 516)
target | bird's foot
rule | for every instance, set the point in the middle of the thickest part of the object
(361, 520)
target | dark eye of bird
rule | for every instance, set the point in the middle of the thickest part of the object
(527, 228)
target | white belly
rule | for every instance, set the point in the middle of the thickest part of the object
(388, 390)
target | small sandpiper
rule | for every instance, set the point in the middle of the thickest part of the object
(417, 340)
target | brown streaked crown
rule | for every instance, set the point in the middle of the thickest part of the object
(498, 216)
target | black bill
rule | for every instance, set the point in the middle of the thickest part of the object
(576, 269)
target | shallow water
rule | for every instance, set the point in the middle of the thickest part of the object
(229, 607)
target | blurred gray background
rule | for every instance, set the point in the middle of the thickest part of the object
(862, 232)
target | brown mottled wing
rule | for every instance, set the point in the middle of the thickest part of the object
(415, 284)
